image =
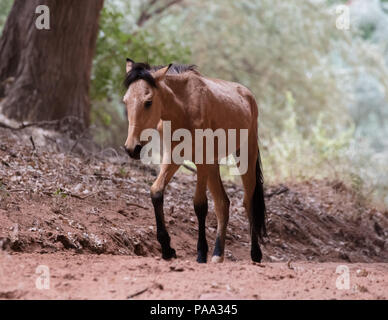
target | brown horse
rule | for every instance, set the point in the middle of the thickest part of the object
(181, 95)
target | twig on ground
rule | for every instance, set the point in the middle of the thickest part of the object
(136, 205)
(5, 163)
(33, 143)
(138, 293)
(190, 168)
(276, 192)
(50, 193)
(17, 190)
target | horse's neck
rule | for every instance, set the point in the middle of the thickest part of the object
(173, 97)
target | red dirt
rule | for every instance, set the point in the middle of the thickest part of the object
(86, 276)
(90, 218)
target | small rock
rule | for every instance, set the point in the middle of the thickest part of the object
(159, 286)
(69, 276)
(275, 259)
(176, 268)
(258, 264)
(361, 273)
(361, 288)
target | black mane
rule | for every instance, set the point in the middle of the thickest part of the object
(139, 71)
(142, 71)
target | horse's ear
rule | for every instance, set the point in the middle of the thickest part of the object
(129, 65)
(159, 75)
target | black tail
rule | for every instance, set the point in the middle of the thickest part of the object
(258, 203)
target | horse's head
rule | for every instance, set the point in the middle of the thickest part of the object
(142, 101)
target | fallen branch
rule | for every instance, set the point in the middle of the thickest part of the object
(38, 123)
(32, 124)
(6, 126)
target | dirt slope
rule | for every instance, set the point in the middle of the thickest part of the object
(59, 204)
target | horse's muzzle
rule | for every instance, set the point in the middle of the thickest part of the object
(134, 153)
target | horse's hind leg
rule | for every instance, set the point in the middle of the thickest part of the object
(157, 194)
(254, 200)
(201, 208)
(249, 182)
(221, 203)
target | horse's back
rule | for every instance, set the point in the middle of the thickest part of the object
(230, 103)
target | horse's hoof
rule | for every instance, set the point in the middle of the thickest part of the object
(256, 256)
(217, 259)
(201, 259)
(169, 254)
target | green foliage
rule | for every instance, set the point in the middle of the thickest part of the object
(292, 155)
(5, 8)
(273, 46)
(331, 2)
(114, 45)
(60, 193)
(303, 72)
(122, 172)
(367, 30)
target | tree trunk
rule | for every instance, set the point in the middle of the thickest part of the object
(45, 74)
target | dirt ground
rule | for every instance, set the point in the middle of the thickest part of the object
(88, 217)
(75, 276)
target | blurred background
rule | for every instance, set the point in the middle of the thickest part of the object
(321, 89)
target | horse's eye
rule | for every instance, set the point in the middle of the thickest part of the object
(148, 104)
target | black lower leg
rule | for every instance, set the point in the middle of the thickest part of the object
(218, 248)
(202, 247)
(161, 231)
(256, 254)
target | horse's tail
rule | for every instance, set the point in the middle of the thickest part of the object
(258, 203)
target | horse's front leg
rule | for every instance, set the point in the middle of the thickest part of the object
(157, 194)
(201, 208)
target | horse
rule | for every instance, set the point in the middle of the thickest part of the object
(182, 95)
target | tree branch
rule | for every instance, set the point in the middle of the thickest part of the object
(147, 14)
